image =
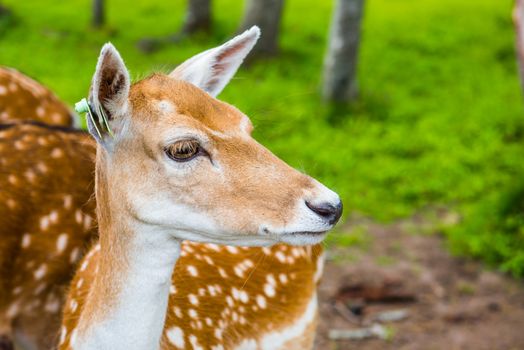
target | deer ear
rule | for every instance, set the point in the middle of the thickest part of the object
(110, 86)
(213, 69)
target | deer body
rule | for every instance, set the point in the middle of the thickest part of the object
(46, 184)
(22, 98)
(170, 170)
(226, 298)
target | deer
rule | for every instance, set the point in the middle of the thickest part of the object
(46, 223)
(174, 164)
(43, 258)
(22, 98)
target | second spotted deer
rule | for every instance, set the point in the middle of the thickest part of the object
(181, 165)
(22, 98)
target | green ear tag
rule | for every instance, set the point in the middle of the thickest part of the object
(83, 107)
(102, 113)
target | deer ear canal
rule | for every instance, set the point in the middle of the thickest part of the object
(109, 93)
(212, 70)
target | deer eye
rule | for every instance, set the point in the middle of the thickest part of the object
(183, 151)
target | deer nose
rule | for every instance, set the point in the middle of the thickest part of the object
(329, 212)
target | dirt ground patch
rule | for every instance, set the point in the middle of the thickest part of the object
(429, 299)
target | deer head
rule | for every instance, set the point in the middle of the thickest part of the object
(179, 160)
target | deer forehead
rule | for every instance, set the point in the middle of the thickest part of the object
(163, 100)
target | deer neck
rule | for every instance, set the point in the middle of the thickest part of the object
(126, 306)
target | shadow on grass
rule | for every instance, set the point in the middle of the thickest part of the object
(367, 106)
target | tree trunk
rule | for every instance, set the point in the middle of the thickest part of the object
(4, 11)
(266, 14)
(198, 16)
(518, 20)
(98, 19)
(340, 65)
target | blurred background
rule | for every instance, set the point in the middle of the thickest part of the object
(411, 110)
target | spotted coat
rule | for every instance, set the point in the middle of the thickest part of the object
(22, 98)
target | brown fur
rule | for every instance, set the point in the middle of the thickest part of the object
(46, 182)
(271, 194)
(22, 98)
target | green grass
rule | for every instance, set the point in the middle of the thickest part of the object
(440, 119)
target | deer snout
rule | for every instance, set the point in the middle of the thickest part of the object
(330, 212)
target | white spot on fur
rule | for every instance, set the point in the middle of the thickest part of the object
(12, 179)
(61, 242)
(218, 333)
(269, 290)
(42, 167)
(212, 291)
(13, 310)
(192, 270)
(40, 111)
(87, 222)
(39, 289)
(26, 240)
(243, 296)
(63, 335)
(52, 306)
(193, 299)
(177, 311)
(30, 175)
(11, 203)
(73, 305)
(238, 271)
(271, 280)
(57, 153)
(78, 216)
(75, 254)
(232, 250)
(44, 223)
(175, 335)
(222, 272)
(40, 272)
(213, 246)
(261, 301)
(235, 292)
(194, 341)
(280, 257)
(320, 268)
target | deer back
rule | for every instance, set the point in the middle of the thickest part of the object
(22, 98)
